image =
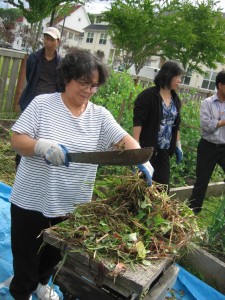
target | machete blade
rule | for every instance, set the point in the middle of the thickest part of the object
(120, 158)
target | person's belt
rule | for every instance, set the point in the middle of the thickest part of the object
(216, 145)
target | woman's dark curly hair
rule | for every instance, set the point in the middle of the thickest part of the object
(165, 75)
(80, 63)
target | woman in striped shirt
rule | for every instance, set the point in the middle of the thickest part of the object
(47, 187)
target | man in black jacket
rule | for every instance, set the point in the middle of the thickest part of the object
(41, 71)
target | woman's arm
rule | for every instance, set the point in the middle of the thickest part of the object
(137, 132)
(23, 144)
(128, 142)
(178, 136)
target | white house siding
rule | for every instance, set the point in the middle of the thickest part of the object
(17, 44)
(78, 20)
(97, 30)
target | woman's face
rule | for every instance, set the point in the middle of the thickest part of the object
(79, 91)
(176, 80)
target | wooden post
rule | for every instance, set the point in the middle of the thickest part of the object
(20, 84)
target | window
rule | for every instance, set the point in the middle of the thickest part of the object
(187, 77)
(209, 81)
(103, 39)
(71, 35)
(90, 37)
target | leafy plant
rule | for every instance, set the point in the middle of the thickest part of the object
(215, 239)
(118, 96)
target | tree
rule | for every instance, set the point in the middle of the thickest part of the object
(190, 32)
(135, 28)
(9, 15)
(36, 10)
(194, 35)
(91, 17)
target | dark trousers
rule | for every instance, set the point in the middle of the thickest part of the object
(161, 164)
(32, 263)
(17, 160)
(208, 155)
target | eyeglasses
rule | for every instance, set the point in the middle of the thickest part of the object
(87, 86)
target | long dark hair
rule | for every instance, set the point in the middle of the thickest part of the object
(165, 75)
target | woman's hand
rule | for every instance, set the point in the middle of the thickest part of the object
(52, 152)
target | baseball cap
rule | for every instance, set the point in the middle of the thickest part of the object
(52, 31)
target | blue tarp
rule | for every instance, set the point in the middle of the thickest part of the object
(6, 269)
(187, 286)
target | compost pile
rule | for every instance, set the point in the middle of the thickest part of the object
(134, 224)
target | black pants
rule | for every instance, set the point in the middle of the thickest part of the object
(17, 160)
(32, 263)
(208, 155)
(161, 164)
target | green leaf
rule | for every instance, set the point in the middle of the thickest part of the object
(140, 249)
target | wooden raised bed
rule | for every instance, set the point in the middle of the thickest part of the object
(85, 278)
(211, 268)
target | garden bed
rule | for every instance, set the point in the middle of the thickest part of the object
(207, 260)
(85, 277)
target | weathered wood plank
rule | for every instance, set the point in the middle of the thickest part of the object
(12, 84)
(8, 82)
(131, 282)
(12, 53)
(81, 287)
(3, 81)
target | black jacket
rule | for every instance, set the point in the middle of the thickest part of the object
(33, 65)
(148, 112)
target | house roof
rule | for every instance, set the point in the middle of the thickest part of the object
(97, 27)
(78, 33)
(59, 19)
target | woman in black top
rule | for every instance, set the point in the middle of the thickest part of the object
(157, 120)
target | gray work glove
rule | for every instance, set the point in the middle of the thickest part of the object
(52, 152)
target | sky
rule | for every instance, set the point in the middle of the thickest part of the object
(97, 6)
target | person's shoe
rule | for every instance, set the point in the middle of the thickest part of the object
(45, 292)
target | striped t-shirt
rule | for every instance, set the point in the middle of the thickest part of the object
(52, 190)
